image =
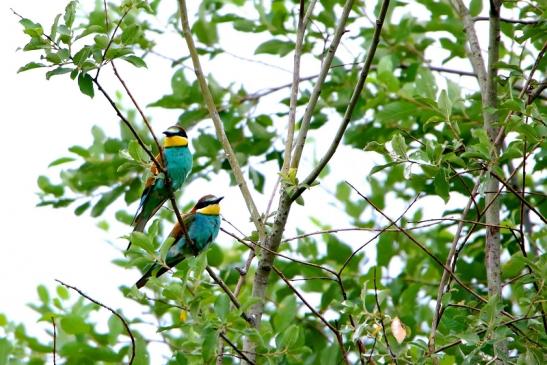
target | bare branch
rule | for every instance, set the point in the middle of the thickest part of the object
(125, 324)
(337, 333)
(351, 106)
(303, 20)
(302, 134)
(54, 340)
(393, 357)
(232, 345)
(219, 127)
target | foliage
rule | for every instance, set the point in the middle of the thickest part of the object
(427, 129)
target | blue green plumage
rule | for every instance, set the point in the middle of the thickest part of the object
(178, 163)
(202, 230)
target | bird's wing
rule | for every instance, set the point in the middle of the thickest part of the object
(177, 233)
(152, 178)
(148, 185)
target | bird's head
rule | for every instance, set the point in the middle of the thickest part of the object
(175, 136)
(208, 205)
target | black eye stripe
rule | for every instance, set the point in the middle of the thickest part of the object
(202, 204)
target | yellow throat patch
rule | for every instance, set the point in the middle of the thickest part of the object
(175, 141)
(213, 209)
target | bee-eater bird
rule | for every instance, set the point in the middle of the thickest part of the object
(202, 224)
(178, 165)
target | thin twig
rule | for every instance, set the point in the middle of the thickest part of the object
(54, 340)
(355, 96)
(232, 345)
(219, 126)
(510, 21)
(315, 313)
(314, 97)
(302, 25)
(391, 353)
(125, 324)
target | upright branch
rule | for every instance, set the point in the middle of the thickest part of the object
(124, 322)
(327, 61)
(54, 340)
(303, 20)
(287, 198)
(336, 332)
(487, 79)
(391, 353)
(219, 127)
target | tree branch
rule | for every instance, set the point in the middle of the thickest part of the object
(306, 119)
(351, 106)
(54, 340)
(219, 128)
(303, 20)
(391, 353)
(125, 324)
(334, 330)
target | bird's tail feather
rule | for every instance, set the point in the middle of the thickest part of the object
(142, 281)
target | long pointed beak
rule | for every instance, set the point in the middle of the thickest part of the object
(216, 201)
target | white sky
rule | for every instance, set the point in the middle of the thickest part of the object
(43, 118)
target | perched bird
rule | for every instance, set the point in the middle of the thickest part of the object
(178, 164)
(202, 224)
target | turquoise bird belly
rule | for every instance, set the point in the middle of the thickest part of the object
(178, 166)
(203, 230)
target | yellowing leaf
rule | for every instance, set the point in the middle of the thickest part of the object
(183, 315)
(398, 330)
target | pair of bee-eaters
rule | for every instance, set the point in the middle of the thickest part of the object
(202, 223)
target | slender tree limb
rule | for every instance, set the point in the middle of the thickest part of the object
(314, 97)
(507, 323)
(351, 106)
(517, 194)
(345, 264)
(54, 340)
(233, 346)
(303, 20)
(219, 127)
(231, 295)
(422, 247)
(446, 275)
(510, 21)
(391, 353)
(124, 322)
(334, 330)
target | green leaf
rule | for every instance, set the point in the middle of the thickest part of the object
(57, 71)
(43, 294)
(5, 350)
(209, 344)
(379, 168)
(205, 31)
(257, 178)
(275, 47)
(222, 306)
(70, 14)
(34, 30)
(442, 187)
(475, 7)
(445, 104)
(60, 161)
(85, 82)
(74, 325)
(30, 66)
(141, 240)
(135, 61)
(399, 145)
(285, 313)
